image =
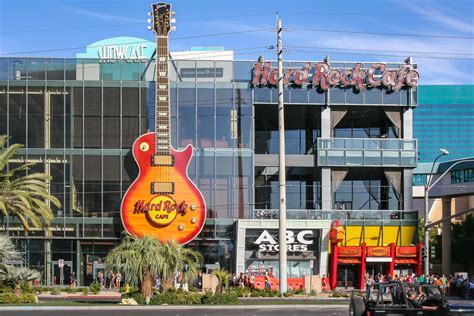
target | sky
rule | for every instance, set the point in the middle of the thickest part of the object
(312, 30)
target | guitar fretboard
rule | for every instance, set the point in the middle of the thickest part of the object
(162, 105)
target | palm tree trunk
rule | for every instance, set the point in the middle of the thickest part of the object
(146, 285)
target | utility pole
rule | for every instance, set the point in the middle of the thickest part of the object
(281, 165)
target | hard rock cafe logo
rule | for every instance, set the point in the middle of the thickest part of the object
(321, 75)
(161, 209)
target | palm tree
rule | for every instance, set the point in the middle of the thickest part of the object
(24, 197)
(8, 251)
(10, 275)
(223, 277)
(144, 258)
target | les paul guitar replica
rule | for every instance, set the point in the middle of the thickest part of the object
(162, 202)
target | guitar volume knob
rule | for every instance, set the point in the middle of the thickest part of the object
(181, 227)
(193, 207)
(193, 220)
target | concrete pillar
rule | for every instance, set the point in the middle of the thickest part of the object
(326, 122)
(446, 237)
(407, 124)
(407, 189)
(47, 262)
(78, 262)
(326, 191)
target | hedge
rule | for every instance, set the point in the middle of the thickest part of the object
(12, 298)
(180, 297)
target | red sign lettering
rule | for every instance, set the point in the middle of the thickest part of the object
(349, 251)
(378, 251)
(322, 76)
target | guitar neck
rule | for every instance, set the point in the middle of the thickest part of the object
(162, 104)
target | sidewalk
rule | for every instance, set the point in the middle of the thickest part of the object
(103, 296)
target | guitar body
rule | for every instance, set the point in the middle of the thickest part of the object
(178, 214)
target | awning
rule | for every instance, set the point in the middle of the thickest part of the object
(405, 261)
(348, 260)
(379, 259)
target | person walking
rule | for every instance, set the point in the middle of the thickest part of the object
(268, 285)
(72, 280)
(252, 281)
(118, 280)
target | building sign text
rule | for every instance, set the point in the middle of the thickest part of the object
(321, 75)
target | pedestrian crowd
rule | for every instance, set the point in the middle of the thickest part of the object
(451, 285)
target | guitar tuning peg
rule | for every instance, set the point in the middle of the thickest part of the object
(173, 20)
(149, 20)
(148, 13)
(173, 28)
(173, 13)
(149, 27)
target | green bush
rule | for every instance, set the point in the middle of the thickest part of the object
(56, 291)
(95, 287)
(241, 291)
(11, 298)
(85, 291)
(176, 297)
(264, 293)
(229, 297)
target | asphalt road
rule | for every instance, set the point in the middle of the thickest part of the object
(275, 310)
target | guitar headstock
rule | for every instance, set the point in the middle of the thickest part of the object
(161, 22)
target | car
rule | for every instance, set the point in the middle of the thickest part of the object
(400, 298)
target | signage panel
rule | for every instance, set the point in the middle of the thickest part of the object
(349, 251)
(378, 251)
(266, 242)
(405, 252)
(321, 76)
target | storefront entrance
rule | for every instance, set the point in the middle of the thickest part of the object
(374, 268)
(61, 275)
(348, 275)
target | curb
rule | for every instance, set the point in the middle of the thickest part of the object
(169, 307)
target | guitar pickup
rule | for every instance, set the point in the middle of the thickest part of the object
(162, 160)
(162, 188)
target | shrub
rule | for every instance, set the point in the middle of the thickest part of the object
(11, 298)
(95, 287)
(229, 297)
(241, 291)
(176, 297)
(56, 291)
(85, 291)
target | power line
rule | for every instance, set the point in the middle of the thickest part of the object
(368, 54)
(72, 28)
(238, 16)
(382, 34)
(138, 42)
(381, 50)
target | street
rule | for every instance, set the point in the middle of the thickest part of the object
(280, 310)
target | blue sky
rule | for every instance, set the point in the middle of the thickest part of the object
(27, 25)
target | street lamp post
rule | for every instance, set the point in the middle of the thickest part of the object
(443, 152)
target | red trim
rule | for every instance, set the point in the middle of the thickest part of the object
(363, 266)
(392, 264)
(333, 275)
(349, 261)
(405, 261)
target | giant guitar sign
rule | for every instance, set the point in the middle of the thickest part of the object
(162, 202)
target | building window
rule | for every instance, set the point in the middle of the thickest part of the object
(456, 176)
(469, 175)
(419, 179)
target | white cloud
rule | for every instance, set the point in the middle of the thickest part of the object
(443, 16)
(106, 16)
(432, 70)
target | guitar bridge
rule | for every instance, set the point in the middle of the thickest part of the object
(162, 160)
(162, 188)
